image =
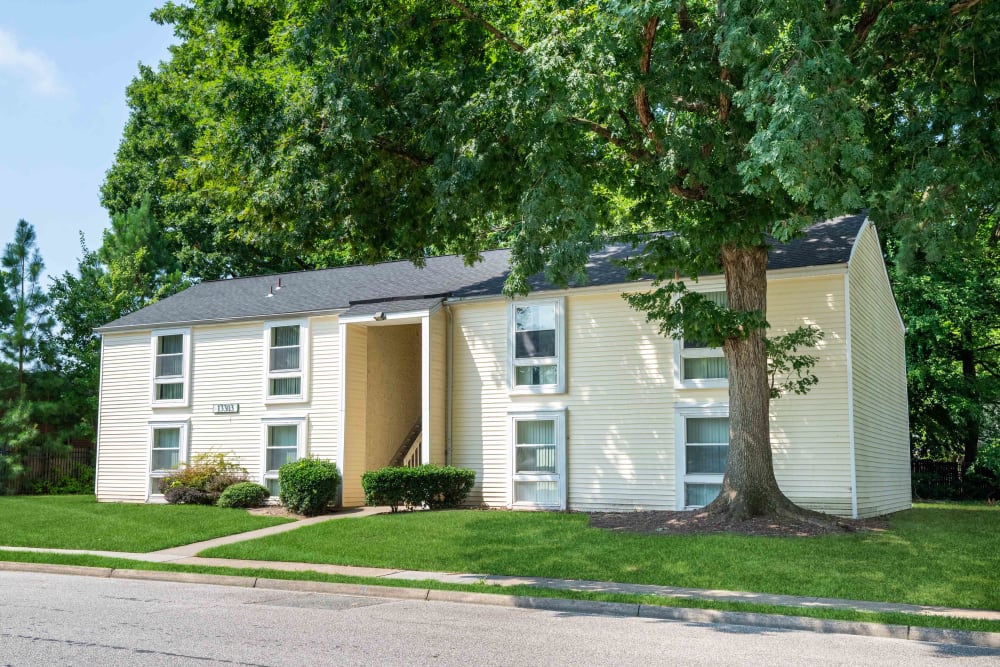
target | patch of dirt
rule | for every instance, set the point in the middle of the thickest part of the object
(702, 523)
(276, 510)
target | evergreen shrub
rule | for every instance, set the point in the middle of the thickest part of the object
(308, 486)
(243, 494)
(431, 486)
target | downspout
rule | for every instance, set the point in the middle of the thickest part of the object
(449, 356)
(849, 335)
(850, 395)
(342, 407)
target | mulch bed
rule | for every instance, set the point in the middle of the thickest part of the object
(702, 523)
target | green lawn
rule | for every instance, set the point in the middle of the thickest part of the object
(893, 618)
(934, 554)
(80, 522)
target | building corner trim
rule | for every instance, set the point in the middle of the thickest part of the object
(850, 395)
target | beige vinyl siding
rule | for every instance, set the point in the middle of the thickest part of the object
(620, 418)
(393, 390)
(479, 398)
(438, 370)
(355, 413)
(124, 412)
(229, 362)
(226, 366)
(324, 376)
(810, 438)
(620, 402)
(881, 428)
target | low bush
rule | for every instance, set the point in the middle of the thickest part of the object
(980, 485)
(930, 486)
(432, 486)
(186, 495)
(209, 474)
(80, 480)
(244, 494)
(308, 486)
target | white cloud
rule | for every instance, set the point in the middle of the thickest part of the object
(34, 68)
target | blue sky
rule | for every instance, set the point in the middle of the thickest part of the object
(64, 66)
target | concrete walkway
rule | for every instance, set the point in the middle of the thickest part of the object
(187, 555)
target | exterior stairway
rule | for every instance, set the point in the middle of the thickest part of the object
(403, 457)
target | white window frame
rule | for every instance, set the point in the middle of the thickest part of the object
(182, 454)
(183, 379)
(303, 371)
(680, 354)
(301, 422)
(559, 476)
(681, 415)
(559, 359)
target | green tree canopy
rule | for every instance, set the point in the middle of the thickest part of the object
(133, 268)
(951, 307)
(298, 134)
(29, 322)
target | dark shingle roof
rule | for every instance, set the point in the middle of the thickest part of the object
(358, 287)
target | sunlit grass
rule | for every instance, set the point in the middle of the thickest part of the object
(80, 522)
(946, 555)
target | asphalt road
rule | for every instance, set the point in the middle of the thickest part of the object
(66, 620)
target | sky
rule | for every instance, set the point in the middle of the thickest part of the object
(64, 67)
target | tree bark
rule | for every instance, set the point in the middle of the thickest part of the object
(749, 487)
(970, 439)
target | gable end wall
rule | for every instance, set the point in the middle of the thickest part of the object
(621, 397)
(881, 425)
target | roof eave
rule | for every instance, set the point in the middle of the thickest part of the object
(221, 320)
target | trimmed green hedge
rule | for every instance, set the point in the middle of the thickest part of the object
(243, 494)
(308, 486)
(430, 485)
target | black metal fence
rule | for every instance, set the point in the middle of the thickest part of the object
(943, 472)
(48, 471)
(944, 480)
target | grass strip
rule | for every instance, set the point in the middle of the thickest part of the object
(886, 618)
(80, 522)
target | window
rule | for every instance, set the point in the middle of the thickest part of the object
(703, 445)
(170, 367)
(168, 448)
(285, 345)
(535, 347)
(538, 460)
(697, 365)
(284, 442)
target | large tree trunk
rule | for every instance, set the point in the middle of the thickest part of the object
(970, 438)
(749, 487)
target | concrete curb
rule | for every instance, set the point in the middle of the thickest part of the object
(78, 570)
(185, 577)
(712, 616)
(303, 586)
(778, 622)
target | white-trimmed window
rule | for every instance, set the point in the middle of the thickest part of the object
(538, 460)
(695, 364)
(168, 445)
(285, 346)
(536, 336)
(284, 442)
(171, 361)
(702, 448)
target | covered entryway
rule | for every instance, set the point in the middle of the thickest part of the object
(393, 376)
